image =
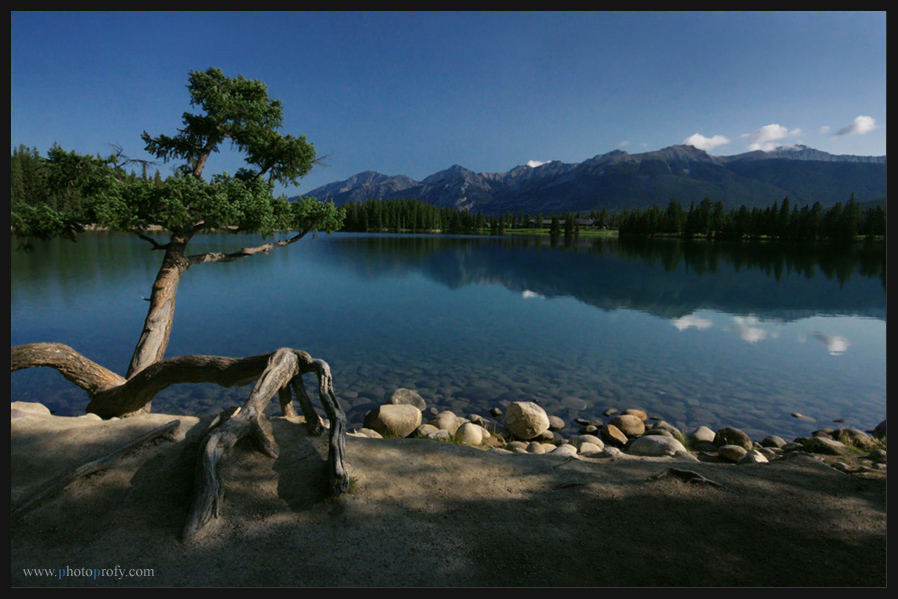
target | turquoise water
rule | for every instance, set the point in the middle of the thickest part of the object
(693, 334)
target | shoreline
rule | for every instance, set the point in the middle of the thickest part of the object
(422, 513)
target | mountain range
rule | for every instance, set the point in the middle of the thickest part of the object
(619, 180)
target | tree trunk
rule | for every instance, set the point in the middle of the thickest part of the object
(160, 316)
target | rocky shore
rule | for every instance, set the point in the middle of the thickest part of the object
(421, 513)
(525, 427)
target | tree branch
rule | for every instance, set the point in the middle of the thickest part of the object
(244, 252)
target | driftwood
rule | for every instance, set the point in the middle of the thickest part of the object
(283, 372)
(278, 373)
(105, 461)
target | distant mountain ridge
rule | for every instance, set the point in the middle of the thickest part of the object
(619, 180)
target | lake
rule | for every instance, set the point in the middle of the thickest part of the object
(695, 334)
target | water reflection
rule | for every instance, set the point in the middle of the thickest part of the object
(671, 279)
(739, 335)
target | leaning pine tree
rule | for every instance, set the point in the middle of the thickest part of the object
(85, 190)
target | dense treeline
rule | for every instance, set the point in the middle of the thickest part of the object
(782, 221)
(706, 219)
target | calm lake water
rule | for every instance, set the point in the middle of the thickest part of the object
(694, 334)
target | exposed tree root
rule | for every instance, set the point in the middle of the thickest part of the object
(276, 373)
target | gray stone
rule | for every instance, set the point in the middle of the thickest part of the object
(555, 423)
(732, 436)
(855, 438)
(446, 421)
(581, 439)
(702, 433)
(773, 441)
(403, 396)
(469, 433)
(613, 436)
(536, 447)
(731, 453)
(565, 449)
(656, 445)
(753, 457)
(394, 420)
(629, 424)
(526, 420)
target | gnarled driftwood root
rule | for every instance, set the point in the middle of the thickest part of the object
(283, 372)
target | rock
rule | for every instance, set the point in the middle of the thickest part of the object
(516, 446)
(446, 421)
(586, 448)
(880, 431)
(30, 407)
(855, 438)
(656, 445)
(581, 439)
(610, 412)
(702, 433)
(404, 396)
(661, 425)
(555, 423)
(823, 445)
(773, 441)
(393, 420)
(565, 449)
(536, 447)
(659, 432)
(731, 453)
(367, 432)
(753, 457)
(439, 435)
(732, 436)
(526, 420)
(495, 412)
(426, 429)
(639, 413)
(613, 436)
(628, 424)
(469, 433)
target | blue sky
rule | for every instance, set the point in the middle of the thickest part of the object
(414, 93)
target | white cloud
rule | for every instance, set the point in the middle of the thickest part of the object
(765, 138)
(534, 163)
(824, 129)
(859, 126)
(705, 143)
(747, 328)
(835, 344)
(685, 322)
(531, 294)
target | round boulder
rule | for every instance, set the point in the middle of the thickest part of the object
(446, 421)
(629, 424)
(393, 420)
(656, 446)
(613, 436)
(469, 434)
(732, 436)
(526, 420)
(407, 396)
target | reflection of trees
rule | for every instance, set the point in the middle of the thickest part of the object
(668, 278)
(836, 261)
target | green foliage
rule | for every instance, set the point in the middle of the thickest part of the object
(60, 194)
(841, 223)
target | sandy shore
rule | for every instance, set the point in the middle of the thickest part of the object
(423, 513)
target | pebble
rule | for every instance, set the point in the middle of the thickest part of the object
(609, 441)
